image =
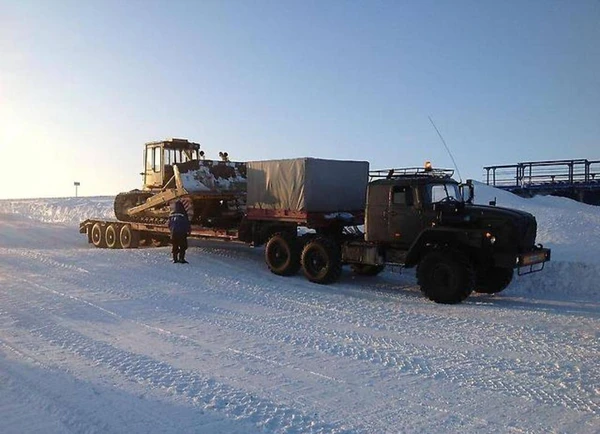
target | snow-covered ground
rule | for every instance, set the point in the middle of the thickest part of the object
(97, 340)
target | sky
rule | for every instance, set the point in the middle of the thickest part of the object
(83, 85)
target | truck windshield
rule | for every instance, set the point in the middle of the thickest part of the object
(444, 192)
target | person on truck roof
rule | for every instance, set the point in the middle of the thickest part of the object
(179, 225)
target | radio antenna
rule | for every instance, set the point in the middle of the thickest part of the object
(447, 149)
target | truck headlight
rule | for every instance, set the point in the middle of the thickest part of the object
(490, 237)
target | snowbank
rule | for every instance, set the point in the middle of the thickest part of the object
(69, 210)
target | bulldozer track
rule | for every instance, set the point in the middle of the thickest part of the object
(127, 200)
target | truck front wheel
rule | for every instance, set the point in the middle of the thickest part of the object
(321, 261)
(282, 254)
(446, 276)
(493, 280)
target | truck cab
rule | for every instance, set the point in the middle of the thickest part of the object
(405, 201)
(421, 217)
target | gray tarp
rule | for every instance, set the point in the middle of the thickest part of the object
(307, 184)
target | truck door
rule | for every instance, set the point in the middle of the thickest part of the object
(404, 218)
(153, 174)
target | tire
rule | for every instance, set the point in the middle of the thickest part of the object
(366, 269)
(97, 236)
(129, 238)
(112, 237)
(446, 276)
(321, 261)
(282, 254)
(493, 280)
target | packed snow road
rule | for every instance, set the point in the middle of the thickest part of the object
(96, 340)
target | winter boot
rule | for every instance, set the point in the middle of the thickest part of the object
(182, 258)
(175, 260)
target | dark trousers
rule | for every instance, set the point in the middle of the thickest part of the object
(180, 245)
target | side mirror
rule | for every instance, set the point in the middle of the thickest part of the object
(467, 191)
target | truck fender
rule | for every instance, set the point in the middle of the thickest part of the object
(433, 238)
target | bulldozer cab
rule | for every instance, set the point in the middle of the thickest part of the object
(159, 158)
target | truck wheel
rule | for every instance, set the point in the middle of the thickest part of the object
(282, 254)
(129, 238)
(112, 238)
(493, 280)
(321, 261)
(366, 269)
(446, 276)
(97, 236)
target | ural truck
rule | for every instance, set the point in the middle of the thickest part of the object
(348, 215)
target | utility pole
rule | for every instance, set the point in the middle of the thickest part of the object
(76, 184)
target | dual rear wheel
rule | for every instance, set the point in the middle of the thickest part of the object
(319, 257)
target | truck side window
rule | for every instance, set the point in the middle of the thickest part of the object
(402, 195)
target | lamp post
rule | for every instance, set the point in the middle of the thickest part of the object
(76, 184)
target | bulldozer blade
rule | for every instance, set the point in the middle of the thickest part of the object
(157, 200)
(209, 176)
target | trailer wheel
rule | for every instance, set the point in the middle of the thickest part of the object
(321, 261)
(129, 238)
(493, 280)
(97, 236)
(367, 269)
(112, 237)
(446, 276)
(282, 254)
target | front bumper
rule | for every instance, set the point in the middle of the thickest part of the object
(532, 261)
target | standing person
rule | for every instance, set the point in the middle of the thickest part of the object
(179, 224)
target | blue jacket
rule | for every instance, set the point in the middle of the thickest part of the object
(179, 223)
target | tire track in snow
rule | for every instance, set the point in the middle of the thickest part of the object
(387, 304)
(30, 393)
(10, 255)
(547, 383)
(539, 381)
(405, 402)
(199, 389)
(344, 314)
(471, 331)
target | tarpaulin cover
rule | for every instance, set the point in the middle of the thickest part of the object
(307, 184)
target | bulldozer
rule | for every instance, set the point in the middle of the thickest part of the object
(212, 191)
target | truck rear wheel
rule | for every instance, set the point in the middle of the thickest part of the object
(129, 238)
(112, 238)
(97, 236)
(493, 280)
(446, 276)
(321, 261)
(282, 254)
(367, 269)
